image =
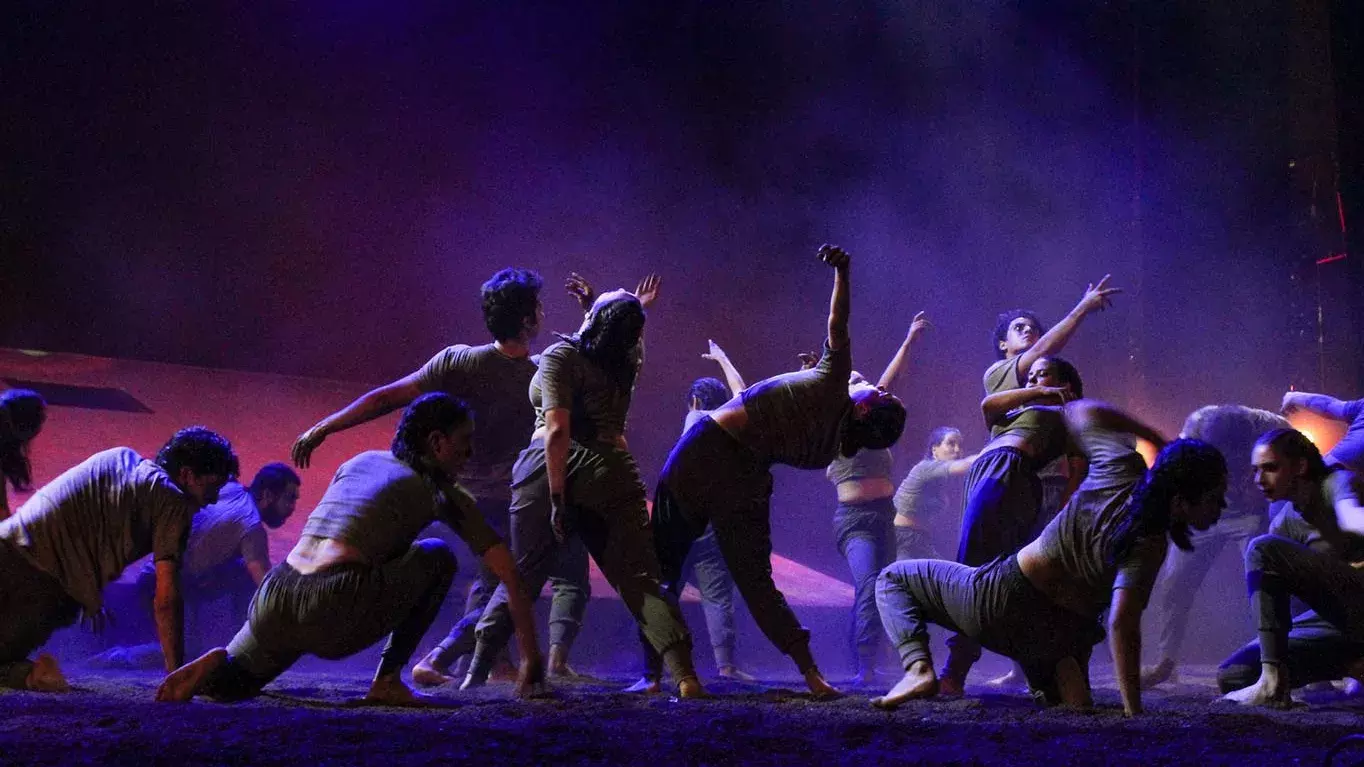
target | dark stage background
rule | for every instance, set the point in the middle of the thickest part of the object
(318, 189)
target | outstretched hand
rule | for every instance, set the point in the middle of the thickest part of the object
(834, 256)
(715, 354)
(304, 446)
(1097, 297)
(1292, 402)
(582, 290)
(807, 360)
(917, 327)
(647, 290)
(530, 677)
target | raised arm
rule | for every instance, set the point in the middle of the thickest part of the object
(1096, 299)
(917, 327)
(840, 302)
(373, 404)
(732, 377)
(996, 406)
(1321, 404)
(1089, 413)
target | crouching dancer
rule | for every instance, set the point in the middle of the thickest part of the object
(357, 575)
(1041, 606)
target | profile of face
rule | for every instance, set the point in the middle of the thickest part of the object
(855, 379)
(949, 449)
(1044, 373)
(865, 397)
(449, 451)
(203, 488)
(1020, 337)
(1276, 475)
(1204, 511)
(279, 507)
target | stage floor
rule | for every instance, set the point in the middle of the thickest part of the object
(305, 721)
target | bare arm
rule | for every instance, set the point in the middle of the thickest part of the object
(499, 560)
(371, 405)
(1089, 412)
(732, 377)
(557, 439)
(1096, 299)
(1124, 641)
(257, 570)
(917, 328)
(840, 303)
(1321, 404)
(168, 608)
(1349, 513)
(996, 406)
(961, 465)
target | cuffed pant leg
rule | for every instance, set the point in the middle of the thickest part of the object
(911, 594)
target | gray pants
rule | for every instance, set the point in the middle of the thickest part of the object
(994, 605)
(334, 614)
(1278, 569)
(1184, 572)
(865, 535)
(706, 568)
(710, 478)
(1317, 652)
(610, 516)
(913, 543)
(568, 580)
(32, 606)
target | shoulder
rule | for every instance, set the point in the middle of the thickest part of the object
(1002, 375)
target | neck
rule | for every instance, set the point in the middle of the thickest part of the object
(516, 348)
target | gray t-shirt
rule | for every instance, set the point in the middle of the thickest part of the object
(926, 492)
(796, 418)
(866, 464)
(224, 532)
(1317, 527)
(1349, 451)
(379, 505)
(1081, 536)
(495, 386)
(566, 379)
(1233, 429)
(99, 516)
(1004, 375)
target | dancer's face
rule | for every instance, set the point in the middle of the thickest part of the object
(949, 449)
(1204, 512)
(1275, 475)
(203, 488)
(449, 452)
(1021, 336)
(1045, 373)
(280, 507)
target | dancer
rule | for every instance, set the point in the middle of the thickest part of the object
(1003, 492)
(719, 473)
(228, 555)
(22, 413)
(1020, 339)
(577, 477)
(1349, 451)
(358, 573)
(1315, 552)
(705, 562)
(864, 529)
(80, 530)
(1232, 429)
(1041, 606)
(922, 500)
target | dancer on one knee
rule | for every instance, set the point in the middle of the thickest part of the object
(719, 473)
(80, 530)
(1315, 552)
(1003, 492)
(864, 529)
(22, 413)
(227, 557)
(578, 478)
(705, 564)
(1232, 429)
(358, 574)
(931, 488)
(1349, 451)
(1041, 606)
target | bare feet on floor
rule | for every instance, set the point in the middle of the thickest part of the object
(735, 673)
(820, 689)
(646, 685)
(389, 690)
(690, 688)
(425, 674)
(950, 686)
(1271, 690)
(1013, 680)
(1164, 671)
(46, 676)
(918, 682)
(185, 682)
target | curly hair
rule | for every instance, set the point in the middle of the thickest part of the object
(22, 413)
(436, 411)
(1068, 373)
(274, 477)
(936, 438)
(710, 393)
(1002, 327)
(880, 428)
(509, 297)
(200, 450)
(1185, 468)
(610, 338)
(1295, 446)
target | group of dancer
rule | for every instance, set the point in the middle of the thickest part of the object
(526, 459)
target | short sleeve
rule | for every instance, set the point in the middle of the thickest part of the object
(556, 377)
(256, 545)
(835, 364)
(462, 515)
(1341, 485)
(443, 372)
(170, 525)
(1003, 375)
(1138, 570)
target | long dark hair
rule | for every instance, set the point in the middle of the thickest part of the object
(610, 339)
(1294, 445)
(1185, 468)
(1069, 374)
(435, 411)
(22, 412)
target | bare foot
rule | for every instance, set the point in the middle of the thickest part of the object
(46, 676)
(530, 678)
(424, 674)
(1162, 672)
(1269, 690)
(735, 673)
(690, 688)
(951, 687)
(919, 682)
(389, 690)
(503, 671)
(1072, 685)
(184, 683)
(646, 685)
(819, 688)
(1013, 680)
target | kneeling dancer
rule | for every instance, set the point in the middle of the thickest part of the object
(1041, 606)
(356, 574)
